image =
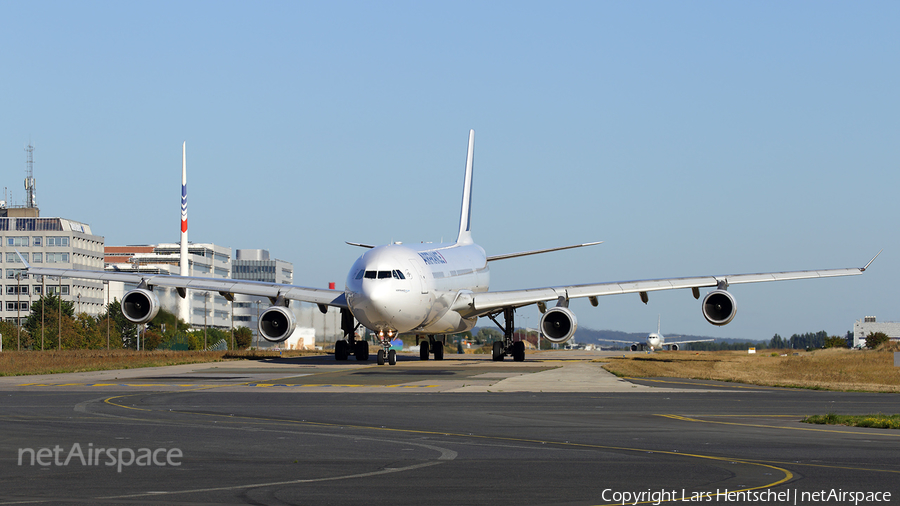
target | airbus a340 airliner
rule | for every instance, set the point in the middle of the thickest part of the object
(429, 290)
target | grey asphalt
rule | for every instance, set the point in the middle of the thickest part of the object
(461, 431)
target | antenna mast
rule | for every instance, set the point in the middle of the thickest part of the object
(29, 176)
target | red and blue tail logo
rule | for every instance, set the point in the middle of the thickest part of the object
(183, 208)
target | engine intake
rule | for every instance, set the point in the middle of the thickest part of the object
(277, 324)
(558, 324)
(719, 307)
(140, 306)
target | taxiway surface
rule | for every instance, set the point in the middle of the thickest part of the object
(466, 430)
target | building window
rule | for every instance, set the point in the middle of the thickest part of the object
(14, 289)
(57, 240)
(12, 258)
(57, 258)
(21, 241)
(12, 273)
(242, 318)
(37, 240)
(11, 306)
(37, 258)
(54, 289)
(37, 289)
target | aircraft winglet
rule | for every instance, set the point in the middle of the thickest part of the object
(870, 261)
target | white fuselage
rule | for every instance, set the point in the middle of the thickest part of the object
(656, 341)
(399, 288)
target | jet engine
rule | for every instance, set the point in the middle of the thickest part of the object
(674, 347)
(140, 305)
(634, 347)
(277, 324)
(558, 324)
(719, 307)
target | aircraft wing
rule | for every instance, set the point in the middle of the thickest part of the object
(221, 285)
(480, 304)
(667, 343)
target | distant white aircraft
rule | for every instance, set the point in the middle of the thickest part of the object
(657, 341)
(428, 290)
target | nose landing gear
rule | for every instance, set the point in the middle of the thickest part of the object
(386, 353)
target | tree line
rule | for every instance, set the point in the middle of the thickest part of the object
(53, 325)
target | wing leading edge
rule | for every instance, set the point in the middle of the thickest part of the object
(489, 302)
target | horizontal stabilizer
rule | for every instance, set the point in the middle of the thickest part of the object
(535, 252)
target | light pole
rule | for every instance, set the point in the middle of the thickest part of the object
(59, 315)
(43, 307)
(107, 315)
(205, 314)
(19, 309)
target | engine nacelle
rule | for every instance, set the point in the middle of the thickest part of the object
(277, 324)
(719, 307)
(558, 324)
(634, 347)
(674, 347)
(140, 306)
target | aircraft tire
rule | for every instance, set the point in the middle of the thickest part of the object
(392, 357)
(438, 350)
(423, 350)
(497, 351)
(340, 350)
(518, 351)
(361, 351)
(380, 358)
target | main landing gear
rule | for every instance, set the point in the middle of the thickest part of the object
(349, 345)
(432, 344)
(507, 346)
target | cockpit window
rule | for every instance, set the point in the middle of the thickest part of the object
(396, 274)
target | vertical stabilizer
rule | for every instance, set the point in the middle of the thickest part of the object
(465, 214)
(184, 304)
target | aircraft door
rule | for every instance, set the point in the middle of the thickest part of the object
(419, 277)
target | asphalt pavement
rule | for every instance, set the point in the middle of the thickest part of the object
(556, 429)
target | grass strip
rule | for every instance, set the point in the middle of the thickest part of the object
(23, 363)
(831, 369)
(877, 421)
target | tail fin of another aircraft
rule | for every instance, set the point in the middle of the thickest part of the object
(465, 214)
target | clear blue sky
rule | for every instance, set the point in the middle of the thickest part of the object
(693, 137)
